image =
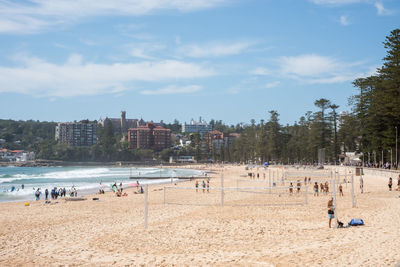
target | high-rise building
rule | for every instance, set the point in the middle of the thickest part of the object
(81, 133)
(149, 137)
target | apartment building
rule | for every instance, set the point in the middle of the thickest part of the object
(149, 137)
(81, 133)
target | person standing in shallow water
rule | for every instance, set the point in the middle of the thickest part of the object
(46, 193)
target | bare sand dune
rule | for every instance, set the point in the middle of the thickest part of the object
(111, 232)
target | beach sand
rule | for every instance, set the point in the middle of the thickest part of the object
(111, 232)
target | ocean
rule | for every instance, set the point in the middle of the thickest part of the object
(87, 180)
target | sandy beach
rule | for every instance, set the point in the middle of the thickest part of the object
(111, 231)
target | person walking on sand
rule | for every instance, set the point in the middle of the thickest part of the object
(341, 190)
(197, 186)
(291, 189)
(208, 186)
(331, 211)
(298, 186)
(398, 183)
(46, 194)
(390, 184)
(322, 188)
(204, 186)
(361, 184)
(316, 189)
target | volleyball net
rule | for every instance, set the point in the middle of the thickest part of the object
(234, 196)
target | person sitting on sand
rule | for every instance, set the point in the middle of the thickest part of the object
(118, 193)
(315, 189)
(331, 211)
(390, 184)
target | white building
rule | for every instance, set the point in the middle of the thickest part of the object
(196, 127)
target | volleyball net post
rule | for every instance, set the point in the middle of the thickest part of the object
(146, 200)
(222, 189)
(334, 203)
(352, 191)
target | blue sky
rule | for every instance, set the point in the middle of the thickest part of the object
(64, 60)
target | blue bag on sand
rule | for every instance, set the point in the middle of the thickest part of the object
(356, 222)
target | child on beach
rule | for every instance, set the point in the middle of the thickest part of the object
(390, 184)
(204, 186)
(197, 186)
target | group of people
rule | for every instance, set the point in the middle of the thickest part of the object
(55, 193)
(390, 183)
(204, 185)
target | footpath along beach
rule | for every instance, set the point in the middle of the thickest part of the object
(112, 232)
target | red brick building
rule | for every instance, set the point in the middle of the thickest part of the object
(149, 137)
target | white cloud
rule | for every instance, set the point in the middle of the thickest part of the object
(378, 4)
(344, 20)
(272, 84)
(77, 78)
(172, 89)
(215, 49)
(144, 50)
(35, 15)
(382, 11)
(261, 71)
(311, 68)
(337, 2)
(314, 68)
(308, 65)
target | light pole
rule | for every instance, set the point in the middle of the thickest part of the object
(382, 158)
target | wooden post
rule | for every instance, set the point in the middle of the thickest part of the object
(222, 189)
(164, 196)
(270, 185)
(334, 203)
(306, 193)
(352, 191)
(146, 194)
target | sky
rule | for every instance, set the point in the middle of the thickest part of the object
(231, 60)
